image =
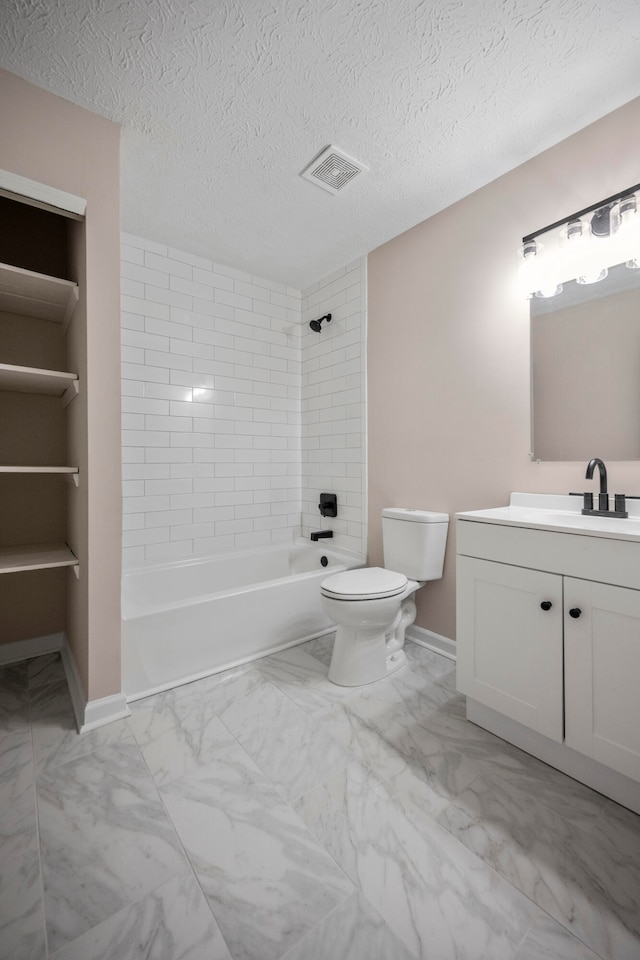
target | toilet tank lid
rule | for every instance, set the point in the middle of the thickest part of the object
(415, 516)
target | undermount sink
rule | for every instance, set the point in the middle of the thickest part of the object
(629, 525)
(561, 518)
(562, 513)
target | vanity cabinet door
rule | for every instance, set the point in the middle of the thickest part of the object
(602, 673)
(509, 642)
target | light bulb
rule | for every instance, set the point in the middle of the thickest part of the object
(593, 277)
(548, 292)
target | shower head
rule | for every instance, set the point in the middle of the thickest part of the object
(316, 325)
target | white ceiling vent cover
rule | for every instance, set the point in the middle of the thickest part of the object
(333, 170)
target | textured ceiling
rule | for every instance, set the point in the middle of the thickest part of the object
(224, 102)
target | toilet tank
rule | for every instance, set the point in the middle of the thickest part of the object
(414, 542)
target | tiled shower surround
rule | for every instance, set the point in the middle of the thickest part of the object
(333, 404)
(235, 414)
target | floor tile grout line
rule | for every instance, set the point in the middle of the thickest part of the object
(490, 772)
(542, 913)
(357, 892)
(132, 903)
(37, 818)
(284, 802)
(607, 805)
(319, 715)
(415, 827)
(289, 801)
(526, 934)
(126, 906)
(488, 866)
(279, 789)
(485, 769)
(191, 868)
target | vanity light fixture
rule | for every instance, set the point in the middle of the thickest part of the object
(582, 246)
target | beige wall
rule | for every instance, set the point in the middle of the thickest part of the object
(448, 351)
(54, 142)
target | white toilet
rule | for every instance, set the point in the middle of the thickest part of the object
(373, 606)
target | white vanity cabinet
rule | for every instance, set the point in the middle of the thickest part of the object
(509, 647)
(602, 674)
(548, 638)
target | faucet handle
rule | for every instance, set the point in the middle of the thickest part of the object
(587, 496)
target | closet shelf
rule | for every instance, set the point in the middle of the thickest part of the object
(32, 294)
(22, 469)
(35, 380)
(36, 556)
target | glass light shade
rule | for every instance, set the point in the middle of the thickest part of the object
(593, 277)
(539, 273)
(625, 228)
(563, 252)
(587, 256)
(529, 265)
(548, 292)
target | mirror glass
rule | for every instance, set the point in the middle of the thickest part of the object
(585, 370)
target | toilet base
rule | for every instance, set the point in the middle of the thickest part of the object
(362, 656)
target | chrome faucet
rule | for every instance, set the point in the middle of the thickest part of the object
(603, 496)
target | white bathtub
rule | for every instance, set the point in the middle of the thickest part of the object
(191, 618)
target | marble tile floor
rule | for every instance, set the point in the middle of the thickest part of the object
(265, 814)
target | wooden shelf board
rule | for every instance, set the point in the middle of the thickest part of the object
(36, 556)
(22, 469)
(32, 294)
(34, 380)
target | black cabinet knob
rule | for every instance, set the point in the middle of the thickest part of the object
(575, 612)
(546, 605)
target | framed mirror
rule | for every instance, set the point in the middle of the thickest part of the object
(585, 370)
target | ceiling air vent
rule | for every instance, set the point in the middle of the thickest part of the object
(333, 170)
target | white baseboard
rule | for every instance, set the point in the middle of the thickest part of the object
(33, 647)
(433, 641)
(90, 714)
(104, 710)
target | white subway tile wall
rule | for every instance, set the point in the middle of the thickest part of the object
(334, 427)
(221, 426)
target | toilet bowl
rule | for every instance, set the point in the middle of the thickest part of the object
(373, 606)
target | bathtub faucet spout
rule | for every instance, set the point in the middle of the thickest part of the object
(321, 534)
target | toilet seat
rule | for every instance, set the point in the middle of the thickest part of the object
(366, 583)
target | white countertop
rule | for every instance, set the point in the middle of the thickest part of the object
(560, 513)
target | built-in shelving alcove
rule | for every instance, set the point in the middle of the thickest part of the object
(38, 299)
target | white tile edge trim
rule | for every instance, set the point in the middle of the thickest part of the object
(42, 192)
(90, 714)
(33, 647)
(364, 386)
(433, 641)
